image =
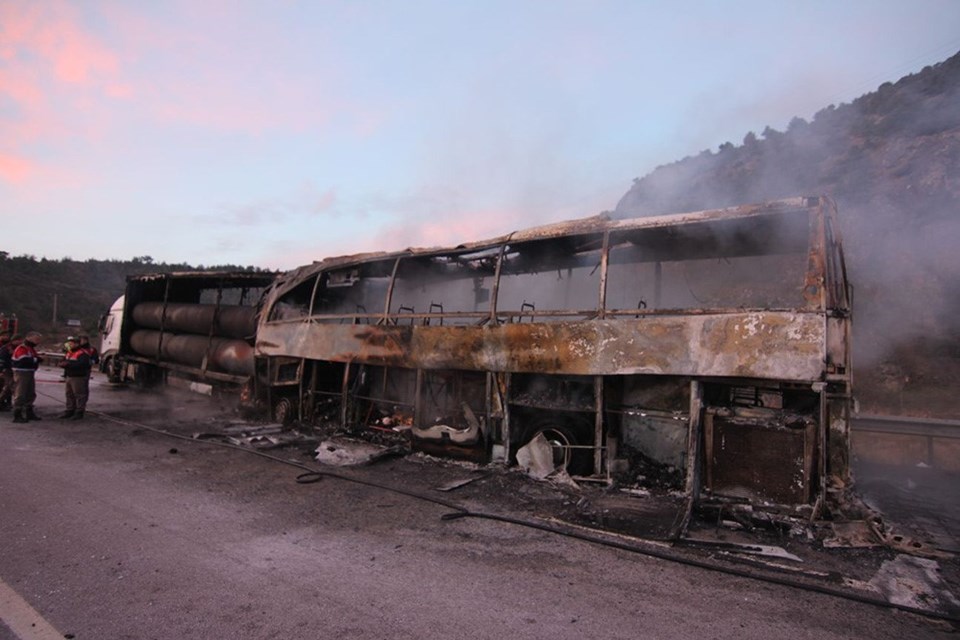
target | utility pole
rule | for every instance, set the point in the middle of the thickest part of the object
(54, 309)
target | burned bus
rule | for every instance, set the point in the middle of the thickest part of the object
(715, 343)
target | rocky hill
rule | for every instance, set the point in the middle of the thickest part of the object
(891, 160)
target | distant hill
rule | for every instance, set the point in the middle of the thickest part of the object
(30, 287)
(891, 160)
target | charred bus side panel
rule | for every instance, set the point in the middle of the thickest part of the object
(198, 326)
(712, 345)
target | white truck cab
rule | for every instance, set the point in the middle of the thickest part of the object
(110, 324)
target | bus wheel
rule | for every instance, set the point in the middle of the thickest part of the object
(563, 440)
(283, 411)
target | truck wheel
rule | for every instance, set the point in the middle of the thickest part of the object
(107, 368)
(562, 438)
(284, 411)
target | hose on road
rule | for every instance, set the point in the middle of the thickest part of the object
(311, 475)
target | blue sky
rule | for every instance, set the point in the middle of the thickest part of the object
(277, 133)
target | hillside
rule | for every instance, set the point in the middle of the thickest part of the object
(891, 160)
(30, 287)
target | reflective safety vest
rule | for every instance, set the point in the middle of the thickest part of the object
(76, 363)
(25, 358)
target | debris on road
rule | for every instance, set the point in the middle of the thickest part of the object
(914, 582)
(461, 482)
(345, 452)
(855, 534)
(766, 550)
(244, 434)
(536, 458)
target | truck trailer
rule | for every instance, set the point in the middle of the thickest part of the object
(198, 326)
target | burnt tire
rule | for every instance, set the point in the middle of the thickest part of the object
(284, 411)
(563, 436)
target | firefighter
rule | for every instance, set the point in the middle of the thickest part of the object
(24, 363)
(76, 368)
(7, 345)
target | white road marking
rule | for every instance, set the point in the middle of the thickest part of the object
(25, 622)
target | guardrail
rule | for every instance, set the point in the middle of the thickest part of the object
(52, 358)
(907, 441)
(928, 427)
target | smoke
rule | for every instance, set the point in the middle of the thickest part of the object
(890, 160)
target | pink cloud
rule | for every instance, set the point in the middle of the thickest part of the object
(251, 97)
(215, 66)
(433, 232)
(120, 90)
(190, 64)
(77, 58)
(14, 169)
(21, 87)
(53, 33)
(466, 227)
(56, 71)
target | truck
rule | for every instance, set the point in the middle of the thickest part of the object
(710, 349)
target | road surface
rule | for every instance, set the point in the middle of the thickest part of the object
(109, 531)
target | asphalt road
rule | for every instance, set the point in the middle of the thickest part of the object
(111, 531)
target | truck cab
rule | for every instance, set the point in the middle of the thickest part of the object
(110, 340)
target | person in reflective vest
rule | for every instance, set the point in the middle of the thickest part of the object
(24, 363)
(76, 369)
(90, 349)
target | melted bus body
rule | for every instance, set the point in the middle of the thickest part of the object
(713, 343)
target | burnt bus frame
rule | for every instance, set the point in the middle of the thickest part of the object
(804, 345)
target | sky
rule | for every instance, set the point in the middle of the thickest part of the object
(276, 133)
